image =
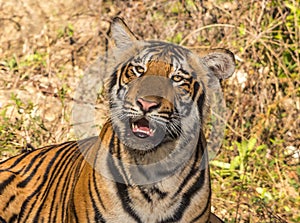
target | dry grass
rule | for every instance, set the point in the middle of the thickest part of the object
(45, 47)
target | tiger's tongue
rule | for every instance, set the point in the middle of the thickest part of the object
(142, 132)
(142, 129)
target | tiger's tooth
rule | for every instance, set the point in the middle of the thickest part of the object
(134, 125)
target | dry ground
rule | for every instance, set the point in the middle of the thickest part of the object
(45, 47)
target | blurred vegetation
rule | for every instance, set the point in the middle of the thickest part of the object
(46, 46)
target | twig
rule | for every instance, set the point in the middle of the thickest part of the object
(202, 28)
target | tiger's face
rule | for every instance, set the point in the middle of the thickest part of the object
(158, 92)
(154, 99)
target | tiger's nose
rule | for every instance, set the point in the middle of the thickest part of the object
(147, 105)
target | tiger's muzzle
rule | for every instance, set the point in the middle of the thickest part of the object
(152, 99)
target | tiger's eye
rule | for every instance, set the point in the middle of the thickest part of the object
(177, 78)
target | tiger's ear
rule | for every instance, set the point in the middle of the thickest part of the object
(121, 35)
(220, 61)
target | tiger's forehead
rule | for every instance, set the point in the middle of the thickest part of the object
(161, 56)
(159, 68)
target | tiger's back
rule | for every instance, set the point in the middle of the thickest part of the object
(39, 183)
(149, 163)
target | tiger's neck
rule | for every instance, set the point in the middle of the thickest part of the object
(118, 162)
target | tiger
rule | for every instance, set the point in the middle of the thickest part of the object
(149, 163)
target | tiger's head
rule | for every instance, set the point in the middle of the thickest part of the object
(159, 91)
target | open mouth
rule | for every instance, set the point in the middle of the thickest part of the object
(141, 128)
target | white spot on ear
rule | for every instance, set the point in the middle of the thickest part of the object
(240, 77)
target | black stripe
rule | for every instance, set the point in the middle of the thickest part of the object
(201, 101)
(125, 71)
(11, 199)
(97, 190)
(2, 220)
(186, 199)
(193, 171)
(97, 214)
(126, 201)
(116, 165)
(153, 190)
(122, 71)
(196, 89)
(96, 159)
(207, 206)
(161, 194)
(145, 195)
(13, 218)
(113, 80)
(24, 182)
(6, 182)
(117, 76)
(152, 51)
(74, 214)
